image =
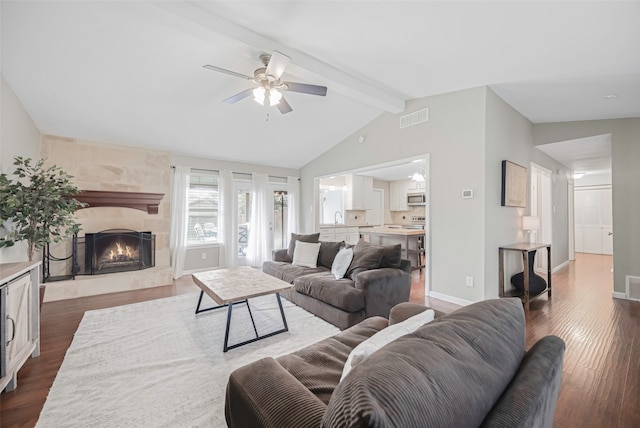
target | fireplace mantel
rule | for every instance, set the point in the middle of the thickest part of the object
(147, 202)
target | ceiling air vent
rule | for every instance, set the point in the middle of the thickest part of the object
(414, 118)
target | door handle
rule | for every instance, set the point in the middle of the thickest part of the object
(610, 233)
(13, 329)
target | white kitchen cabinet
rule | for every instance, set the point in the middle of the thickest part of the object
(398, 195)
(415, 186)
(350, 235)
(359, 193)
(19, 319)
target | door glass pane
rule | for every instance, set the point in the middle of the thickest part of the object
(280, 219)
(244, 215)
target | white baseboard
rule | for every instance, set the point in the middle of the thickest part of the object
(450, 299)
(619, 295)
(560, 266)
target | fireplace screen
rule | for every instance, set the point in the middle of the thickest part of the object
(118, 250)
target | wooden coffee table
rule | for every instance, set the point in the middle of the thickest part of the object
(233, 286)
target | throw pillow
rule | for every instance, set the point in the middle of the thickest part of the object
(341, 262)
(306, 254)
(328, 251)
(391, 256)
(365, 257)
(384, 337)
(313, 237)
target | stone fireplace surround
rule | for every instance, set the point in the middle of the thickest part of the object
(107, 169)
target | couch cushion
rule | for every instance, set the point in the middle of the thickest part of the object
(447, 373)
(384, 337)
(341, 262)
(339, 293)
(391, 256)
(287, 272)
(365, 257)
(313, 237)
(319, 366)
(306, 254)
(328, 252)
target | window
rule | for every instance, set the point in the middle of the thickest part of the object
(203, 209)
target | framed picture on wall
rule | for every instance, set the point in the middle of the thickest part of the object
(514, 185)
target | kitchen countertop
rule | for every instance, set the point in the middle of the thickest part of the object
(395, 231)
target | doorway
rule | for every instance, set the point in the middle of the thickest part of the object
(541, 207)
(593, 220)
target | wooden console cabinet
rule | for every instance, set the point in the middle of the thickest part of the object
(19, 319)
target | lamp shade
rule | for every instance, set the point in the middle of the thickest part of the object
(530, 222)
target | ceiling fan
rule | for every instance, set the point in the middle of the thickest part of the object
(269, 84)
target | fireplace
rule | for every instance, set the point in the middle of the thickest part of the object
(118, 250)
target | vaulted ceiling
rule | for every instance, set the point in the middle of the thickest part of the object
(130, 72)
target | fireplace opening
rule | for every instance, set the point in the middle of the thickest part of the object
(118, 250)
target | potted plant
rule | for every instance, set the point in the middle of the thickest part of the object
(37, 205)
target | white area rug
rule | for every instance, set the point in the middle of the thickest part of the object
(157, 364)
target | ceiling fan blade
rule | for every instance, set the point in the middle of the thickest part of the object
(239, 96)
(277, 64)
(284, 106)
(306, 89)
(225, 71)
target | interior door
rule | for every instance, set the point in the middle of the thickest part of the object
(593, 221)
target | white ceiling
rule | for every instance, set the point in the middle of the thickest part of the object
(130, 72)
(592, 154)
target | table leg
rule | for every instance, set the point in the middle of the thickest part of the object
(549, 270)
(501, 272)
(226, 347)
(525, 257)
(198, 310)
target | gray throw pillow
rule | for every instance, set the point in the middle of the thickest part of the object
(328, 252)
(392, 256)
(313, 238)
(365, 257)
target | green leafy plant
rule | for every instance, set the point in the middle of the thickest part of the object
(37, 205)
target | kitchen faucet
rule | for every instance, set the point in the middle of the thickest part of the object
(335, 217)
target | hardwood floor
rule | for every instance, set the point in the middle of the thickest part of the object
(601, 374)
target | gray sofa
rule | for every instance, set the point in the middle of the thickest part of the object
(465, 369)
(367, 291)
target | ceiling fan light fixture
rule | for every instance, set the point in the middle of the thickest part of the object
(258, 95)
(274, 96)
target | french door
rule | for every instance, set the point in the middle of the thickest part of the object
(276, 223)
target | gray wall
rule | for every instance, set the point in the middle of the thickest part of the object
(18, 137)
(194, 262)
(509, 135)
(454, 138)
(467, 136)
(625, 179)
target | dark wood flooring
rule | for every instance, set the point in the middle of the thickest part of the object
(601, 376)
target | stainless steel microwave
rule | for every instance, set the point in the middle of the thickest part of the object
(416, 199)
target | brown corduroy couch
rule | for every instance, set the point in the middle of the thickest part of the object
(465, 369)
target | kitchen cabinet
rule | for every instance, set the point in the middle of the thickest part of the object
(359, 193)
(417, 186)
(19, 319)
(350, 235)
(398, 195)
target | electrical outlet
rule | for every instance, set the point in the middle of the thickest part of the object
(204, 256)
(469, 281)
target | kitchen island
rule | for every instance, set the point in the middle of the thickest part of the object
(411, 241)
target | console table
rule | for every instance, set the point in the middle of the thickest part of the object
(524, 249)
